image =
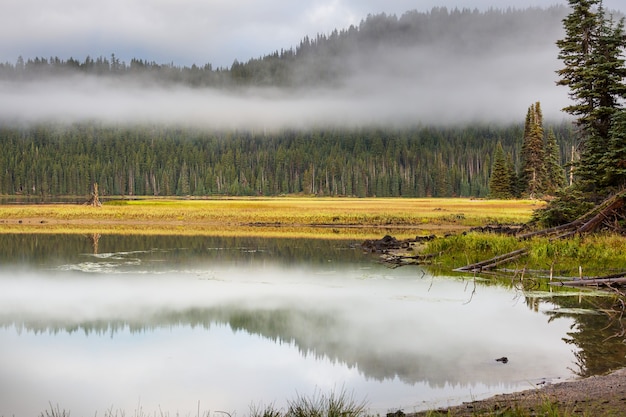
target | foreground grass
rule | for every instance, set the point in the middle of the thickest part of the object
(344, 218)
(334, 404)
(343, 405)
(592, 255)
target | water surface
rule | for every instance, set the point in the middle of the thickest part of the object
(177, 324)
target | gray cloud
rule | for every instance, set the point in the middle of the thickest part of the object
(192, 31)
(493, 78)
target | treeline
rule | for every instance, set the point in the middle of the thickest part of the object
(46, 160)
(326, 58)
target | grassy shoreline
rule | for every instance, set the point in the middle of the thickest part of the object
(341, 218)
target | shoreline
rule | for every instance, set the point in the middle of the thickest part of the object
(600, 395)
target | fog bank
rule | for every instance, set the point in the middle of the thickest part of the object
(446, 90)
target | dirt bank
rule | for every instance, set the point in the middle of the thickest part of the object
(600, 396)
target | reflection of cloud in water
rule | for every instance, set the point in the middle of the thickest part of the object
(115, 255)
(153, 261)
(414, 329)
(118, 262)
(99, 267)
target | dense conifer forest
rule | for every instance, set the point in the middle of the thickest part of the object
(411, 162)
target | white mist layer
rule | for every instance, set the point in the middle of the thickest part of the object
(404, 87)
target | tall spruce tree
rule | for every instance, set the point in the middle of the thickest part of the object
(594, 72)
(533, 169)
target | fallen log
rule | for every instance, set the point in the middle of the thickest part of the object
(604, 281)
(493, 262)
(602, 215)
(499, 229)
(544, 232)
(586, 223)
(388, 243)
(395, 259)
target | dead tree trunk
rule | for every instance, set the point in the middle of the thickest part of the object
(94, 200)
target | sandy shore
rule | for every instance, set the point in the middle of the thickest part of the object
(601, 396)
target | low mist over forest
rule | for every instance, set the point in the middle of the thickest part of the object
(444, 66)
(388, 107)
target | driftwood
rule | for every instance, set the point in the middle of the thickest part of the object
(398, 260)
(388, 243)
(499, 229)
(395, 252)
(553, 230)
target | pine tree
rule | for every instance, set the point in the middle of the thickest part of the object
(594, 72)
(500, 185)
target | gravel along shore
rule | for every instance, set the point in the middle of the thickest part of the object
(602, 396)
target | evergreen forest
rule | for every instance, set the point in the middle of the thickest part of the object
(420, 161)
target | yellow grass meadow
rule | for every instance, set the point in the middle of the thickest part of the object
(340, 218)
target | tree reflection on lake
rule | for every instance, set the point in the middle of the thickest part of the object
(174, 323)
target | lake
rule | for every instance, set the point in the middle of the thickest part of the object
(186, 325)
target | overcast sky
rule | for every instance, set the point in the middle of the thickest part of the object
(193, 31)
(401, 87)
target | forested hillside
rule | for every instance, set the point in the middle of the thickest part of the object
(378, 43)
(396, 106)
(412, 162)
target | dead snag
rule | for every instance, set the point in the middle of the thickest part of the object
(94, 200)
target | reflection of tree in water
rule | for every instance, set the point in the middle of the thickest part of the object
(599, 337)
(94, 238)
(599, 331)
(36, 249)
(321, 335)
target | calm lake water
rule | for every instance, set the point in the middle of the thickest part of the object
(179, 324)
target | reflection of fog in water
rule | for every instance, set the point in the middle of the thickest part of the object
(133, 327)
